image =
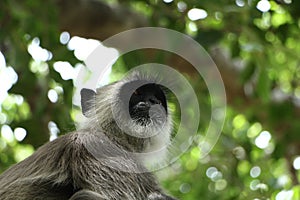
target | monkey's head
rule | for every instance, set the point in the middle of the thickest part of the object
(133, 112)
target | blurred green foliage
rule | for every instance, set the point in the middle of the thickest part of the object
(257, 155)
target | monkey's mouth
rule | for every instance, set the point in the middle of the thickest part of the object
(145, 113)
(140, 113)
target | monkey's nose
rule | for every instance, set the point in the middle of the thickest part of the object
(143, 105)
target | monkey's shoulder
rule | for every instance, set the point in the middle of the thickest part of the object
(57, 153)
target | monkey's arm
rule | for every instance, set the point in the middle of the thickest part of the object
(133, 180)
(86, 195)
(90, 195)
(157, 196)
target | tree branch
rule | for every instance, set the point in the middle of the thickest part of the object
(95, 19)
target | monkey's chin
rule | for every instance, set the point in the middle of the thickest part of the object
(143, 120)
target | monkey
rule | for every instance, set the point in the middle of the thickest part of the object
(99, 161)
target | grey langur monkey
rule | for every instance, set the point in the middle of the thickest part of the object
(99, 161)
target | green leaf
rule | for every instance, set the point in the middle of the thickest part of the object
(248, 72)
(263, 85)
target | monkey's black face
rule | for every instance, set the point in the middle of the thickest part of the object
(148, 103)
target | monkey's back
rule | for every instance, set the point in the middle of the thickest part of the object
(64, 166)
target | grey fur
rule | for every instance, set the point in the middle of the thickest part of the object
(67, 169)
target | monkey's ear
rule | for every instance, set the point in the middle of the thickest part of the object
(88, 99)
